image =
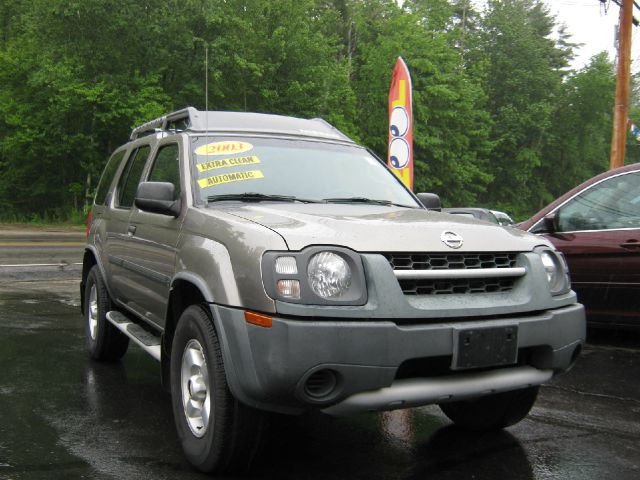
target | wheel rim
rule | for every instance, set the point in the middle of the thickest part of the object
(93, 312)
(194, 386)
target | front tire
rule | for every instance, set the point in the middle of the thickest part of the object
(492, 412)
(103, 340)
(217, 433)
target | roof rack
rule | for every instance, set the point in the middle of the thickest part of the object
(178, 120)
(235, 123)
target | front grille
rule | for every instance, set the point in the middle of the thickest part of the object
(454, 261)
(462, 285)
(450, 261)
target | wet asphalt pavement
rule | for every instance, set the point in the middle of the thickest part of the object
(63, 416)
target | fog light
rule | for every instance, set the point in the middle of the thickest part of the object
(321, 384)
(288, 288)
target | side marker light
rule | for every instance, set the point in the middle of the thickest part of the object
(258, 319)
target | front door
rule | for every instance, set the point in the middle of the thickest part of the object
(599, 233)
(152, 243)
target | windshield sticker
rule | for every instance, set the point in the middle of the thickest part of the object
(227, 162)
(230, 177)
(223, 148)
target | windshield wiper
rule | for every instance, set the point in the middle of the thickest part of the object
(370, 201)
(258, 197)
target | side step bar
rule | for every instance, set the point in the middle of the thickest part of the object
(416, 392)
(149, 342)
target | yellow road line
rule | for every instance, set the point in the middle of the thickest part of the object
(61, 265)
(42, 244)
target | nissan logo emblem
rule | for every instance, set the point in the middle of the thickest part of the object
(451, 239)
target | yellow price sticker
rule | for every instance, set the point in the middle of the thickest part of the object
(223, 148)
(227, 162)
(230, 177)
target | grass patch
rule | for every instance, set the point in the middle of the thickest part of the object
(55, 218)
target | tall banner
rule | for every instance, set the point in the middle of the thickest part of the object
(400, 157)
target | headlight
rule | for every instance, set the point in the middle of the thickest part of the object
(329, 275)
(315, 276)
(556, 270)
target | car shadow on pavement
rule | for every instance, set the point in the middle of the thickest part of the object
(406, 444)
(614, 338)
(455, 453)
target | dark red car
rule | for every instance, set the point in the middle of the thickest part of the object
(597, 227)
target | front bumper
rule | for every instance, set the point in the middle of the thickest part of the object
(270, 368)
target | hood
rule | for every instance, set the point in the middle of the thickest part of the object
(373, 228)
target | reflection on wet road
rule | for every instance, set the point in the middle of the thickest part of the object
(63, 416)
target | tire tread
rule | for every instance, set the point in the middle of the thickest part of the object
(238, 434)
(492, 412)
(110, 343)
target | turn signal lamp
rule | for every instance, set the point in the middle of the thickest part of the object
(288, 288)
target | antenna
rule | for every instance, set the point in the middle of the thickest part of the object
(206, 78)
(206, 89)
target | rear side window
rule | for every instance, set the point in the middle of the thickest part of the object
(130, 178)
(107, 177)
(166, 167)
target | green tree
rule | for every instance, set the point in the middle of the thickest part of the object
(78, 75)
(578, 143)
(67, 96)
(525, 70)
(496, 110)
(450, 124)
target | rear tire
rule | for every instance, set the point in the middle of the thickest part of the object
(492, 412)
(103, 340)
(217, 433)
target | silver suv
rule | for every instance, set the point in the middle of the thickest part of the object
(270, 264)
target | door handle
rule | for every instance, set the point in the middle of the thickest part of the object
(131, 230)
(631, 245)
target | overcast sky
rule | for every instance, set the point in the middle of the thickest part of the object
(592, 24)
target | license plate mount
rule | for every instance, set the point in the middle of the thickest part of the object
(484, 347)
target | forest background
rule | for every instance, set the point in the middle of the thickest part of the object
(500, 120)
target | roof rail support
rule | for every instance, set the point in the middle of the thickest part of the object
(160, 124)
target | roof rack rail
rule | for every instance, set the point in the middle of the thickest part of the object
(178, 120)
(235, 123)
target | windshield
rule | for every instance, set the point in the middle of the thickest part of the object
(228, 167)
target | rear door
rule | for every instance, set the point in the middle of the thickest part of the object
(101, 211)
(117, 223)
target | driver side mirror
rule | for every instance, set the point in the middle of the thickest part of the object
(158, 197)
(551, 222)
(430, 201)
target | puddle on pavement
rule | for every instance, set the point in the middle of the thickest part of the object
(101, 421)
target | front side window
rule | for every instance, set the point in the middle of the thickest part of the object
(611, 204)
(166, 167)
(309, 170)
(130, 177)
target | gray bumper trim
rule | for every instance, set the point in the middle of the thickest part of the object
(423, 391)
(458, 273)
